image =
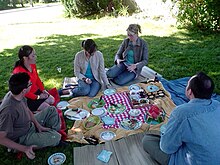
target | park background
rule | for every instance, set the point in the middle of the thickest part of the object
(174, 51)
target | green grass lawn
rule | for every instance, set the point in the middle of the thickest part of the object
(173, 53)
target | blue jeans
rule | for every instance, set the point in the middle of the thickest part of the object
(84, 89)
(120, 74)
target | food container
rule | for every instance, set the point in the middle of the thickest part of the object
(91, 122)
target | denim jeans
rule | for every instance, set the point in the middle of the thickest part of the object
(120, 75)
(84, 89)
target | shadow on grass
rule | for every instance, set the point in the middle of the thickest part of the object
(179, 55)
(176, 56)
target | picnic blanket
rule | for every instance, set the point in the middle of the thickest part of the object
(77, 133)
(176, 88)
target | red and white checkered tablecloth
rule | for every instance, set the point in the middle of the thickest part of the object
(122, 98)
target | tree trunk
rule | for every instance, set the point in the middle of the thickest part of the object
(22, 3)
(31, 3)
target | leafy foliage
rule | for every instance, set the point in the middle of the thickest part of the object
(200, 14)
(84, 8)
(174, 53)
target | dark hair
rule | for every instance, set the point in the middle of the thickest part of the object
(202, 86)
(24, 51)
(18, 82)
(89, 45)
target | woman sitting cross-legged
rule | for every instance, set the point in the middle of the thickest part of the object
(131, 57)
(89, 69)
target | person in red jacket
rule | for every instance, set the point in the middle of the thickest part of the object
(37, 98)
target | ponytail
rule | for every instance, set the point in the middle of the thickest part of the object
(24, 51)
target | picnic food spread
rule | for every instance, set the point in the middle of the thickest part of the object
(116, 108)
(116, 112)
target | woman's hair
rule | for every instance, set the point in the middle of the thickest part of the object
(18, 82)
(202, 86)
(89, 45)
(134, 28)
(24, 51)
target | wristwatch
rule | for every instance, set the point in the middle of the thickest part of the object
(38, 97)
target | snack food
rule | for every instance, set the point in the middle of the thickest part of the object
(91, 121)
(129, 123)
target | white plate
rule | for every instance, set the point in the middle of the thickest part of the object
(56, 159)
(76, 115)
(134, 87)
(99, 111)
(62, 105)
(107, 135)
(109, 92)
(152, 88)
(127, 127)
(134, 112)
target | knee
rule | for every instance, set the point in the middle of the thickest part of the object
(109, 74)
(92, 94)
(150, 142)
(50, 100)
(118, 82)
(55, 139)
(52, 110)
(85, 91)
(145, 143)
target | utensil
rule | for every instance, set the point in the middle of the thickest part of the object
(76, 115)
(73, 117)
(100, 98)
(115, 105)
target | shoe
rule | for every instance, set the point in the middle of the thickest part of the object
(63, 144)
(67, 95)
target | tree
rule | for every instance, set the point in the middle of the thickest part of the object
(199, 14)
(84, 8)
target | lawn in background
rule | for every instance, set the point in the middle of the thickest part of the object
(173, 53)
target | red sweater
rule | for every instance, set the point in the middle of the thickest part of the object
(34, 78)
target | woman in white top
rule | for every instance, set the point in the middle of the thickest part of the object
(89, 69)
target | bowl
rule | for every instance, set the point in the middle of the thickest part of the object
(134, 112)
(91, 122)
(99, 112)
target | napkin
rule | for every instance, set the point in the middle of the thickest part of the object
(104, 156)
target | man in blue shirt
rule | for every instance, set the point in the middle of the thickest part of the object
(192, 133)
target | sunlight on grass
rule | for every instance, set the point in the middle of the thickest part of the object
(52, 82)
(174, 53)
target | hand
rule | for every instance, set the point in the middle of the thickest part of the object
(131, 68)
(29, 151)
(109, 86)
(119, 61)
(88, 81)
(44, 94)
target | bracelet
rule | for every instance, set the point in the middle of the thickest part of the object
(38, 97)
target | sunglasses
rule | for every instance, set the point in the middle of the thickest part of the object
(130, 34)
